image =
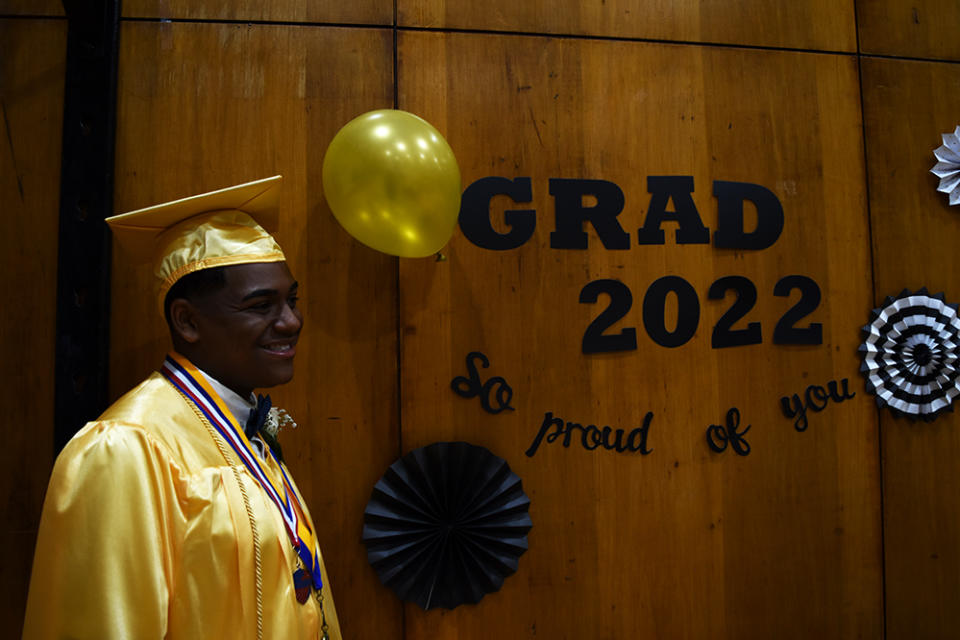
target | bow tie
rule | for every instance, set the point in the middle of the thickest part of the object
(258, 416)
(254, 426)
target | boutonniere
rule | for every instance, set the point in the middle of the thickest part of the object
(277, 419)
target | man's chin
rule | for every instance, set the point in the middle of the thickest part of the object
(274, 375)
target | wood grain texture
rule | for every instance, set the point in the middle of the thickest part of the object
(358, 12)
(806, 24)
(31, 7)
(31, 101)
(203, 106)
(907, 106)
(915, 29)
(683, 542)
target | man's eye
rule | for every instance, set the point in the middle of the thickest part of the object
(292, 301)
(260, 306)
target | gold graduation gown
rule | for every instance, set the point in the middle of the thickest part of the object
(145, 534)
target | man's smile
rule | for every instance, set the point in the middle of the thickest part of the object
(284, 348)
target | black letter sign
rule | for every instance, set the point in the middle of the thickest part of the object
(475, 213)
(473, 386)
(677, 188)
(571, 214)
(730, 233)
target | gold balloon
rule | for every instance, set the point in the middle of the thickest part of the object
(393, 183)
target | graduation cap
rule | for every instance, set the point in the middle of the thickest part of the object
(220, 228)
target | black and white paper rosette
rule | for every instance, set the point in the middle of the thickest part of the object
(910, 354)
(948, 166)
(446, 524)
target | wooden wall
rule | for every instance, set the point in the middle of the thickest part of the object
(674, 543)
(32, 60)
(845, 529)
(913, 232)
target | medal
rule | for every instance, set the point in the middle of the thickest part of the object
(302, 583)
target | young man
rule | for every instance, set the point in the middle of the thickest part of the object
(170, 516)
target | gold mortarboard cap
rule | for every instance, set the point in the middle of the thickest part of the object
(215, 229)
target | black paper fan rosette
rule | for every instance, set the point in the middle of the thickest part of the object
(446, 524)
(910, 352)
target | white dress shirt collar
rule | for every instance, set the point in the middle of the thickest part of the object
(239, 407)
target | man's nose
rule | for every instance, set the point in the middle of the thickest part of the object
(289, 321)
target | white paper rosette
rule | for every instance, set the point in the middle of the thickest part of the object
(910, 354)
(948, 165)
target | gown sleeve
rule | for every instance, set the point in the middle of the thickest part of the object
(103, 562)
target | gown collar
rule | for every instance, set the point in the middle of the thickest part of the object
(239, 406)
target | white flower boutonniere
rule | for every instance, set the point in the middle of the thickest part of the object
(277, 419)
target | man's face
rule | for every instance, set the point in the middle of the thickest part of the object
(248, 329)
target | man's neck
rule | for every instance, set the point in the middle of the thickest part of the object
(204, 364)
(238, 405)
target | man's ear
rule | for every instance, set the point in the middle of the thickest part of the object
(183, 320)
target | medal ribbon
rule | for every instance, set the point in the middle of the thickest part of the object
(188, 380)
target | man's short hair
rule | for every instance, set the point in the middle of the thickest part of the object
(194, 285)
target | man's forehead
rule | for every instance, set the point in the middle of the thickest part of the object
(243, 279)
